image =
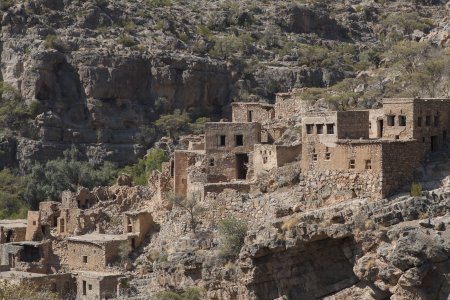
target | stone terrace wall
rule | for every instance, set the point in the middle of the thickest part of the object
(333, 186)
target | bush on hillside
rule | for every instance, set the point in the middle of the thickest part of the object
(141, 170)
(232, 234)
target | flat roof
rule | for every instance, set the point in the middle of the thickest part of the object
(252, 103)
(93, 274)
(411, 100)
(21, 223)
(373, 141)
(191, 151)
(20, 274)
(98, 238)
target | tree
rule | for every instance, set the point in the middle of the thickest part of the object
(12, 204)
(141, 170)
(173, 125)
(232, 234)
(192, 206)
(49, 180)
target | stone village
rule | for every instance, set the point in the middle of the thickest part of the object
(341, 154)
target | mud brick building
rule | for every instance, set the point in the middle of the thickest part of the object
(269, 157)
(94, 252)
(97, 285)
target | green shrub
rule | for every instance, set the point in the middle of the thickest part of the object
(416, 189)
(5, 4)
(127, 41)
(232, 234)
(53, 42)
(141, 170)
(188, 294)
(34, 108)
(158, 3)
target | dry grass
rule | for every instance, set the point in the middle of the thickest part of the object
(290, 223)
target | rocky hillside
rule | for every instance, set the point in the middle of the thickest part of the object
(98, 73)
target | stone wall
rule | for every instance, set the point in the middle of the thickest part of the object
(50, 211)
(252, 112)
(97, 285)
(399, 161)
(182, 161)
(34, 230)
(249, 132)
(290, 105)
(99, 256)
(139, 223)
(352, 124)
(267, 157)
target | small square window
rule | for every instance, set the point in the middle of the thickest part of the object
(330, 128)
(402, 120)
(211, 162)
(419, 121)
(90, 287)
(221, 140)
(314, 157)
(264, 160)
(368, 164)
(309, 128)
(428, 120)
(327, 156)
(34, 222)
(239, 140)
(390, 120)
(319, 128)
(85, 259)
(351, 164)
(423, 140)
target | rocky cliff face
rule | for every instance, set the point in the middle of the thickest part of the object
(101, 71)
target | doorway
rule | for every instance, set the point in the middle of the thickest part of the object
(380, 128)
(434, 143)
(241, 166)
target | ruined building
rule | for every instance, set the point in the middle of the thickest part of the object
(364, 153)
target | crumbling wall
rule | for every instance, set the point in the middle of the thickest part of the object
(140, 223)
(49, 211)
(268, 157)
(290, 105)
(97, 285)
(182, 161)
(252, 112)
(34, 230)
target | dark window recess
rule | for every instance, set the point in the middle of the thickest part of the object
(419, 121)
(390, 120)
(330, 128)
(309, 128)
(221, 140)
(402, 120)
(319, 128)
(428, 120)
(327, 156)
(211, 162)
(368, 164)
(314, 157)
(239, 140)
(85, 259)
(436, 121)
(351, 164)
